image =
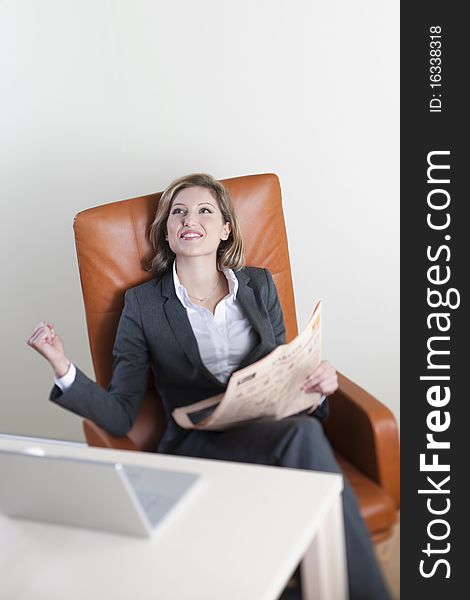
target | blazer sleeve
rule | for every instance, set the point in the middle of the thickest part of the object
(277, 321)
(115, 408)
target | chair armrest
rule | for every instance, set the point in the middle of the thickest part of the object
(95, 436)
(365, 432)
(144, 435)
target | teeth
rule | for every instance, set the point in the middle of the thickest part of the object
(191, 235)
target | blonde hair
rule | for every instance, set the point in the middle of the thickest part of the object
(230, 253)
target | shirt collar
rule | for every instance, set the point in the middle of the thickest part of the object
(182, 293)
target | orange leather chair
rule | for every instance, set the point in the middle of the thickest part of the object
(112, 246)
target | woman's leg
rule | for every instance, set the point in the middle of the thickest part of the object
(297, 442)
(309, 448)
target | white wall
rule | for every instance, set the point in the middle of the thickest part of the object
(103, 100)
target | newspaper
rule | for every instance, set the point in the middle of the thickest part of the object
(269, 388)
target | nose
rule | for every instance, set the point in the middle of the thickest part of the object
(189, 218)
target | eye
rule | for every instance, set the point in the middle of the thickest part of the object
(205, 209)
(176, 211)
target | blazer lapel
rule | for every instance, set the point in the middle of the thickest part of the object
(181, 327)
(249, 304)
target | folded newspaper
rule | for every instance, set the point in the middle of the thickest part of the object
(270, 388)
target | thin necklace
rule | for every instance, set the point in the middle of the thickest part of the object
(208, 296)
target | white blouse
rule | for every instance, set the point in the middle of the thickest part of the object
(223, 338)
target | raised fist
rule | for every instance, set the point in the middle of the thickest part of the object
(45, 341)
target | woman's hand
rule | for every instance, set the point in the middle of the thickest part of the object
(323, 380)
(45, 341)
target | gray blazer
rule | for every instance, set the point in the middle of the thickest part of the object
(154, 332)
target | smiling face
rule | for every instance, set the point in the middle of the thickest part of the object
(195, 225)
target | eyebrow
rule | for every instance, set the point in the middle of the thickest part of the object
(199, 204)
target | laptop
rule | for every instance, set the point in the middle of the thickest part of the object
(115, 497)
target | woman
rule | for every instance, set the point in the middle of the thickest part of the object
(203, 316)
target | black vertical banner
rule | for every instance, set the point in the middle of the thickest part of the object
(435, 356)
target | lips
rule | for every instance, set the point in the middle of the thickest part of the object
(189, 234)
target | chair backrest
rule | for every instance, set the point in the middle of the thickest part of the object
(112, 246)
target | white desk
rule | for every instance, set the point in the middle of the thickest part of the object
(239, 536)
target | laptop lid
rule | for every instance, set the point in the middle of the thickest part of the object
(89, 493)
